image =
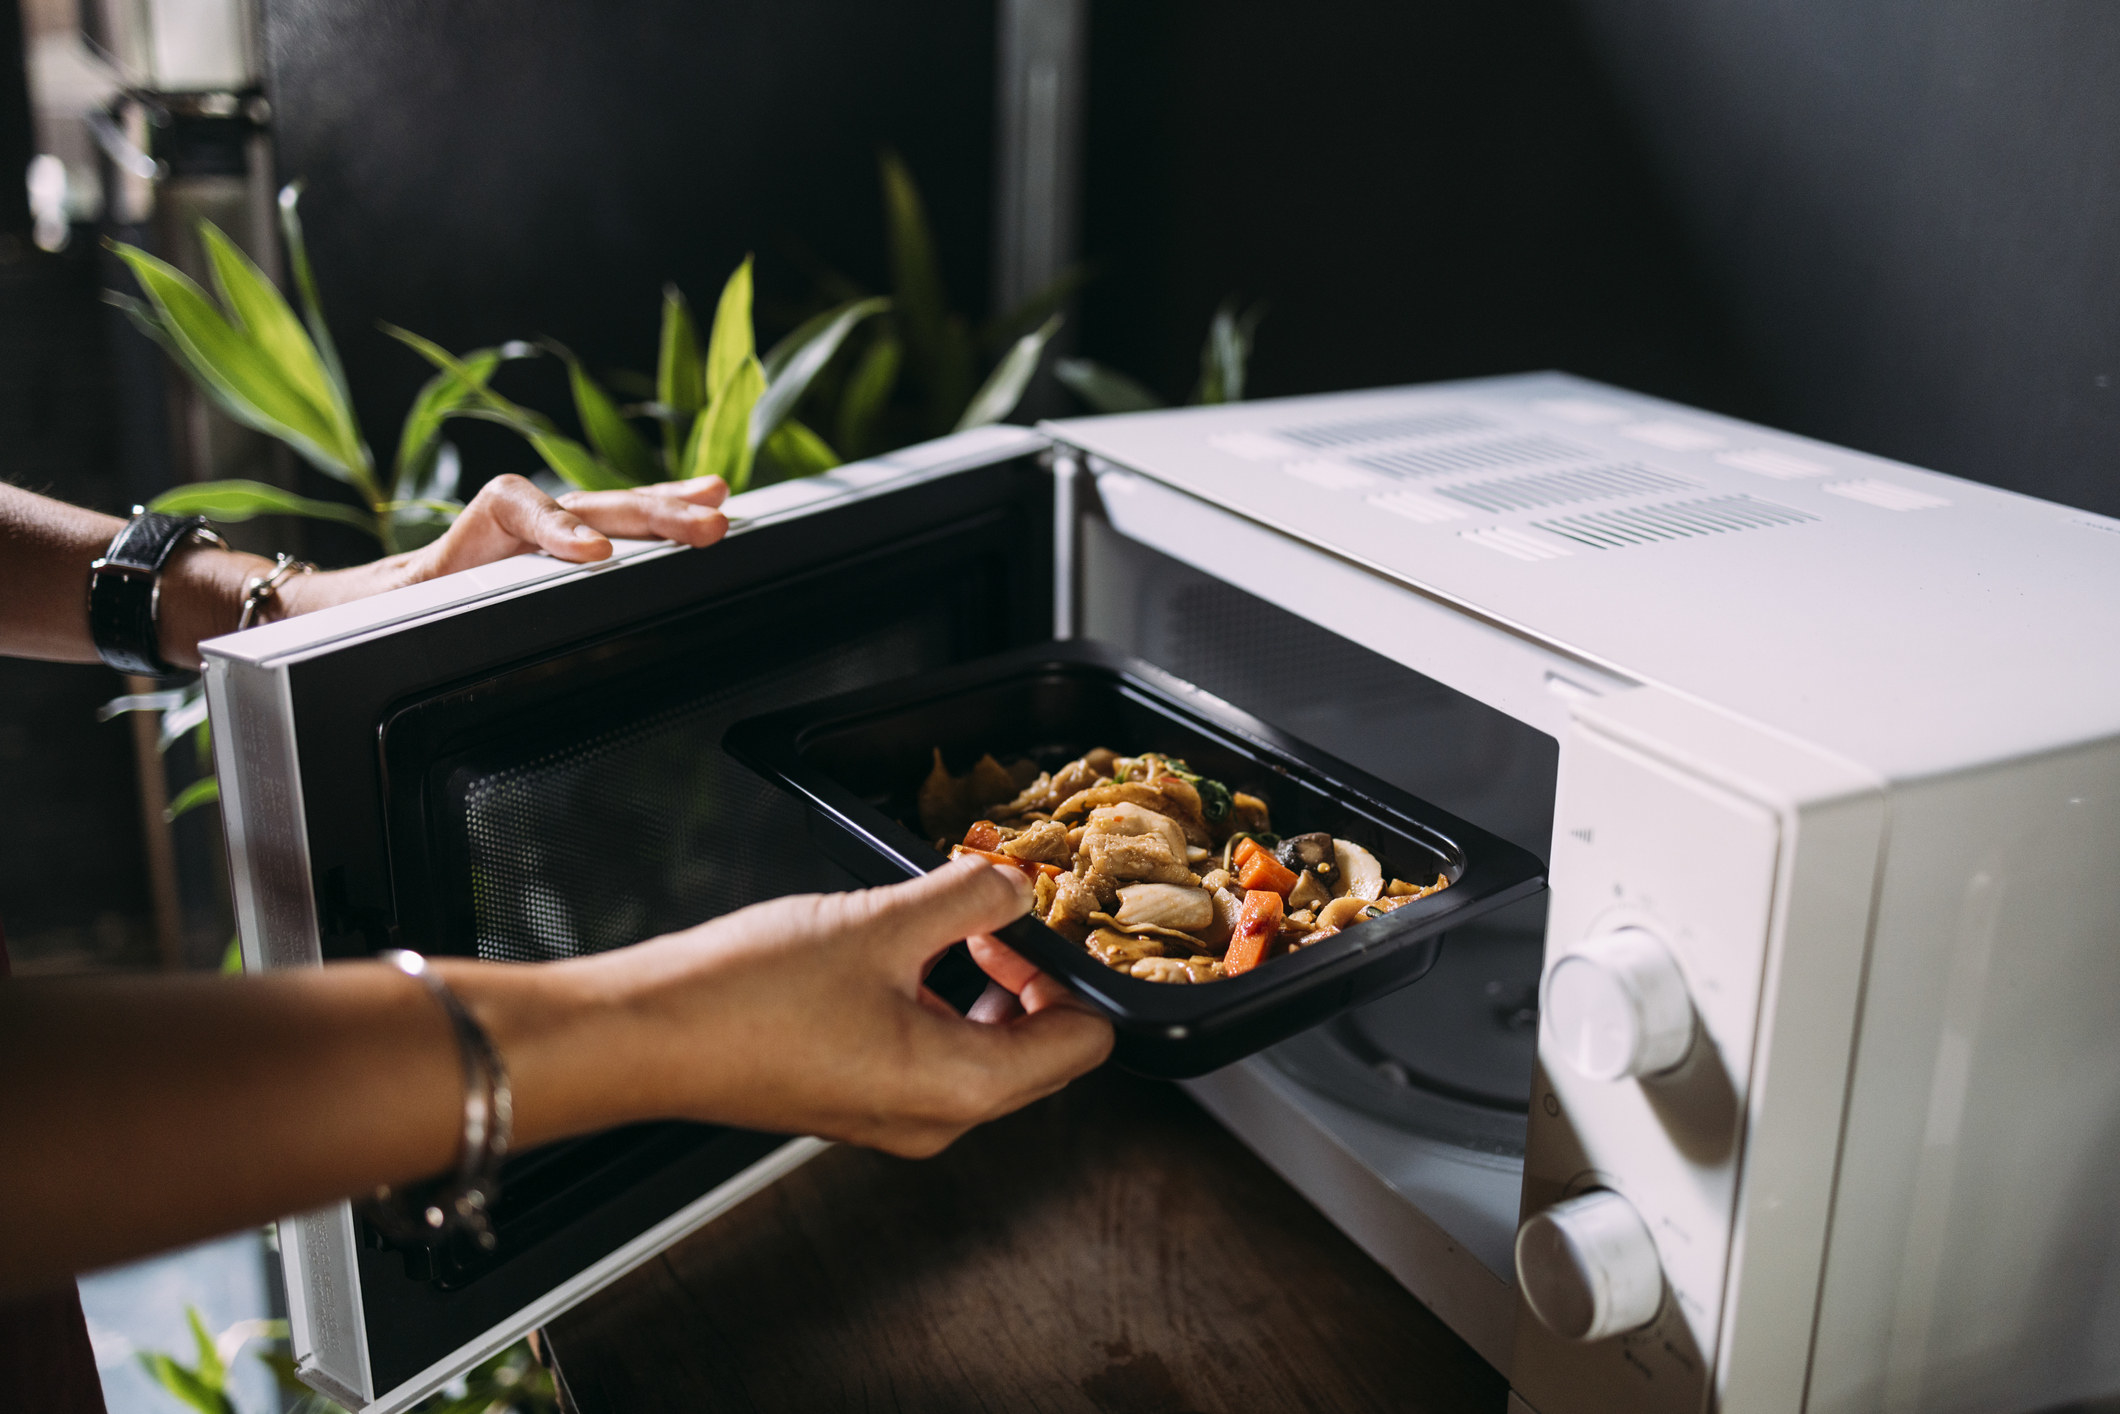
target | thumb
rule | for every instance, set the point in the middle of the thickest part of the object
(917, 919)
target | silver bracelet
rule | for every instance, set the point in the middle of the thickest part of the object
(466, 1202)
(261, 589)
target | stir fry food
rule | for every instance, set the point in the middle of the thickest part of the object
(1157, 870)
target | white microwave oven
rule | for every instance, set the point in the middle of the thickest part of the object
(1798, 1089)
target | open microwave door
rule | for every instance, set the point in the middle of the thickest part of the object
(524, 763)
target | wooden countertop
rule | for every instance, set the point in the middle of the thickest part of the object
(1110, 1250)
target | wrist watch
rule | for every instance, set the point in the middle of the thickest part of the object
(125, 588)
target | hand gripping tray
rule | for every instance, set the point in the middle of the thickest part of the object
(857, 761)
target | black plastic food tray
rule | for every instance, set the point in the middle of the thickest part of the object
(857, 761)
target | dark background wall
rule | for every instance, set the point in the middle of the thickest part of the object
(1889, 223)
(479, 172)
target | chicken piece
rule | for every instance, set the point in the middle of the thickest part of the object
(1162, 969)
(1036, 795)
(1172, 906)
(1074, 900)
(1099, 759)
(1203, 969)
(1120, 951)
(1185, 806)
(1044, 791)
(1218, 879)
(1130, 819)
(1044, 843)
(1043, 891)
(944, 813)
(1168, 796)
(1129, 859)
(949, 804)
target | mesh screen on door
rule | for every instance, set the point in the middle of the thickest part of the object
(650, 827)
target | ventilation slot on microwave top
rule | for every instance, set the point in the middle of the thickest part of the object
(1677, 520)
(1441, 423)
(1470, 456)
(1556, 488)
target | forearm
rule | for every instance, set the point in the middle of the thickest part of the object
(46, 547)
(143, 1113)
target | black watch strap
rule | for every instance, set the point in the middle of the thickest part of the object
(125, 589)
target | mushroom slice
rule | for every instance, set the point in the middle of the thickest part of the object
(1308, 893)
(1342, 912)
(1119, 952)
(1360, 874)
(1149, 930)
(1165, 906)
(1312, 852)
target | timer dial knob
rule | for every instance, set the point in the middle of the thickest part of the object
(1616, 1006)
(1588, 1267)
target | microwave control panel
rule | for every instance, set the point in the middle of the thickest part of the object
(1662, 899)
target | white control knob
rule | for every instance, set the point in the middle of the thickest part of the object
(1616, 1006)
(1588, 1267)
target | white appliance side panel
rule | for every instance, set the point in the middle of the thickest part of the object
(1975, 1253)
(1833, 824)
(1638, 842)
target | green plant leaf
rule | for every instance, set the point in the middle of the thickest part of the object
(680, 374)
(796, 361)
(204, 791)
(997, 334)
(576, 464)
(614, 439)
(148, 322)
(797, 451)
(731, 343)
(1104, 389)
(305, 283)
(186, 1386)
(1003, 389)
(440, 396)
(212, 1370)
(263, 314)
(232, 958)
(724, 446)
(1225, 355)
(868, 393)
(234, 501)
(214, 351)
(921, 299)
(182, 718)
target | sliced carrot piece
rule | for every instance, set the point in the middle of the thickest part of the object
(1246, 847)
(984, 834)
(1258, 929)
(1260, 870)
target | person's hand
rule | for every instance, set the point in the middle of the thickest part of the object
(808, 1015)
(202, 592)
(510, 516)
